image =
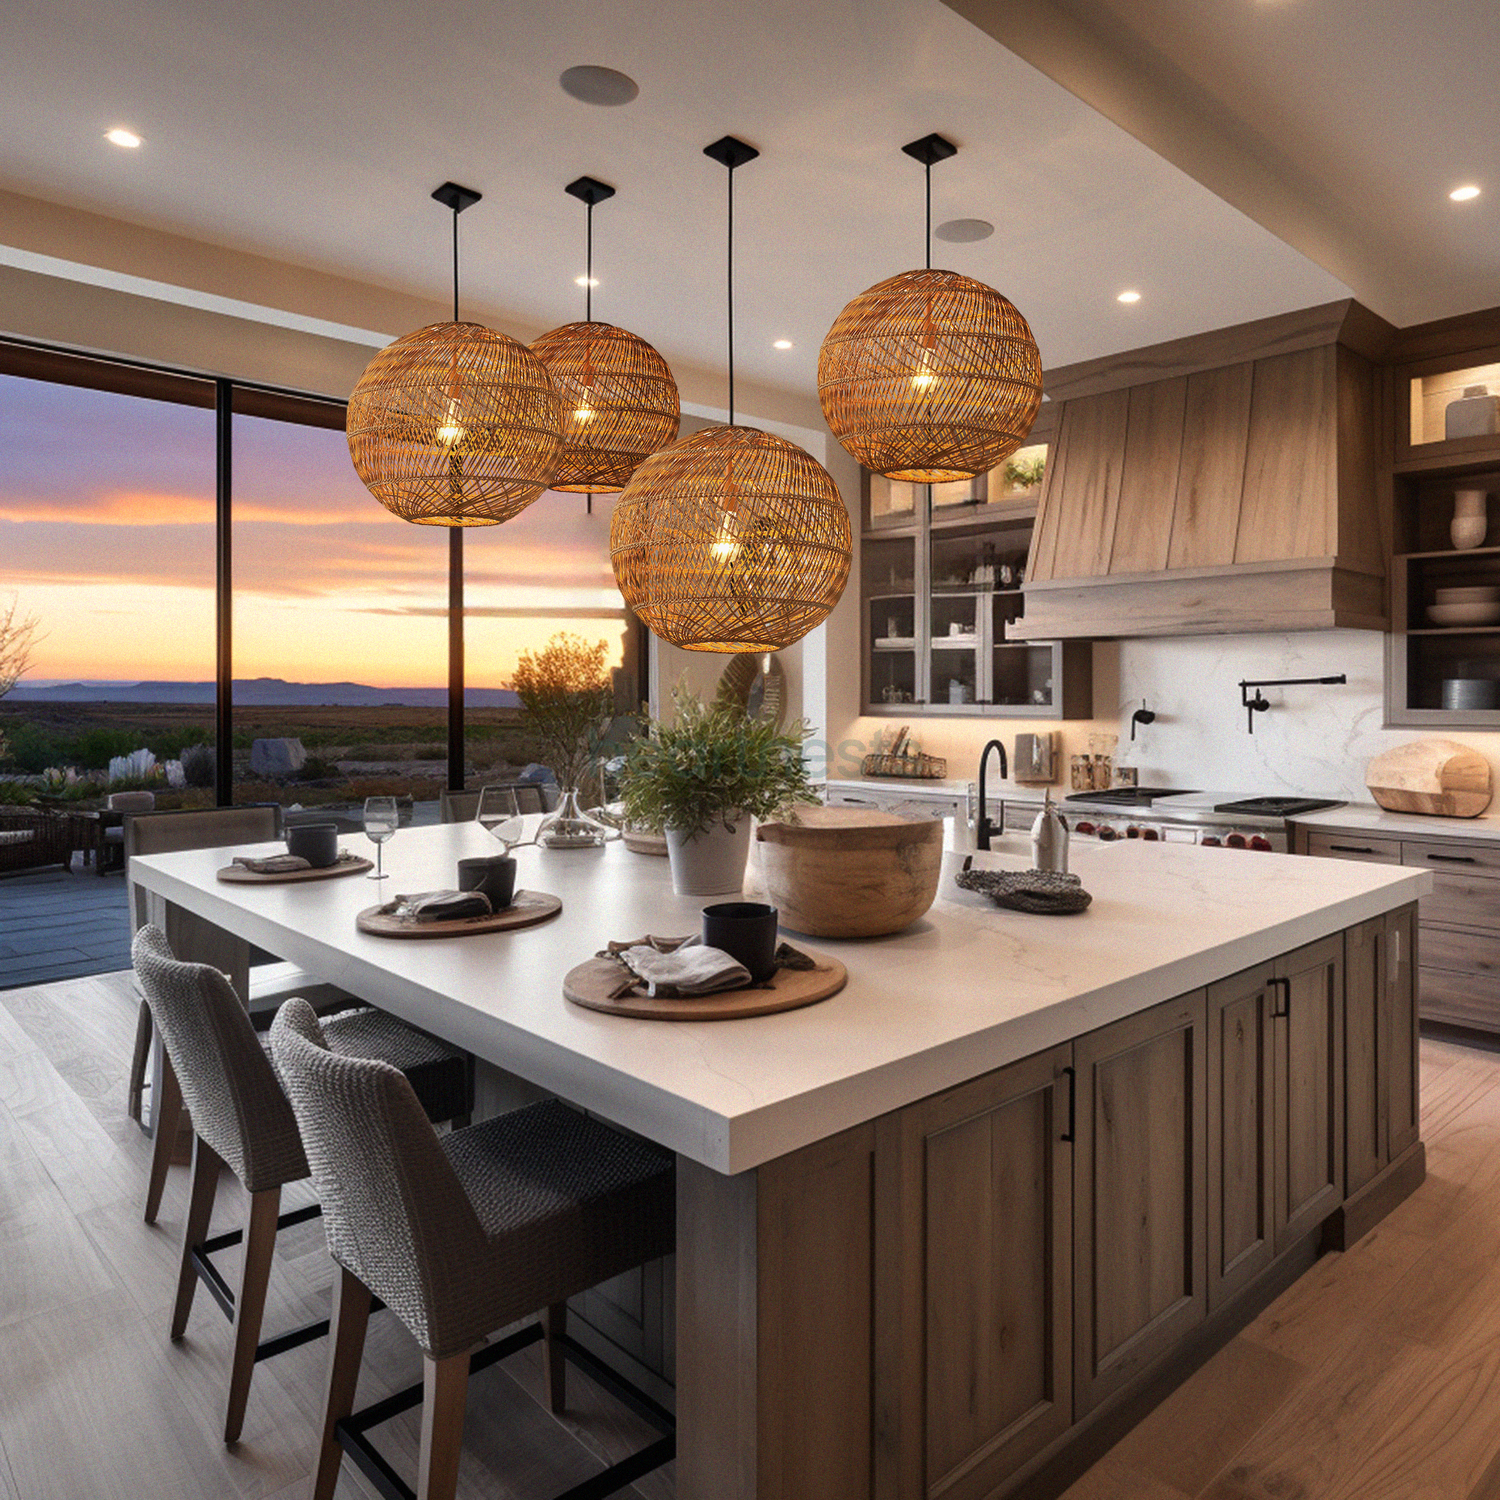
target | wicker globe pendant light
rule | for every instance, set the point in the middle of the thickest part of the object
(732, 539)
(931, 375)
(619, 400)
(455, 424)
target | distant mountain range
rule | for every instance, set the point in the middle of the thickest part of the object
(257, 692)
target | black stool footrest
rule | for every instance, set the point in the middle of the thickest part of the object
(352, 1432)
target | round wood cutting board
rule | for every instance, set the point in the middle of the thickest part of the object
(526, 910)
(239, 875)
(589, 985)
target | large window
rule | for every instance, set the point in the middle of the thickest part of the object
(107, 539)
(340, 628)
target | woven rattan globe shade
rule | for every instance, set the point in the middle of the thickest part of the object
(731, 540)
(455, 425)
(619, 403)
(930, 376)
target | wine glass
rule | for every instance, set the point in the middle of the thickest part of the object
(381, 821)
(499, 814)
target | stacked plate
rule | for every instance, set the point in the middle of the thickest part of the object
(1465, 606)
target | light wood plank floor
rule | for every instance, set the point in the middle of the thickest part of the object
(1376, 1377)
(94, 1399)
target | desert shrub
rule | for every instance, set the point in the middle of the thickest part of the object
(95, 748)
(198, 765)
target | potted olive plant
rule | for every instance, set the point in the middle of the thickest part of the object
(703, 778)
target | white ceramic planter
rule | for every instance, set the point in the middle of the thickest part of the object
(711, 863)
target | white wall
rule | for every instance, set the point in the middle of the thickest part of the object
(1314, 740)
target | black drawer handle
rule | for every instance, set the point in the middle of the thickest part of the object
(1351, 849)
(1455, 859)
(1286, 1008)
(1071, 1132)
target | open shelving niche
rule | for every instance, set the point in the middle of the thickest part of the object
(1427, 471)
(941, 568)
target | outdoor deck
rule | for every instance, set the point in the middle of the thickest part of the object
(55, 925)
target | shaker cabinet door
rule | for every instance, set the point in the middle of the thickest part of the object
(1402, 1092)
(973, 1282)
(1140, 1201)
(1309, 1095)
(1366, 1043)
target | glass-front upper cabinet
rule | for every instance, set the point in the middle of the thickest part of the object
(889, 586)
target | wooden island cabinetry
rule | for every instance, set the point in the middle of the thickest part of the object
(1000, 1278)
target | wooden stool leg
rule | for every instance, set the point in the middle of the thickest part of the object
(206, 1167)
(445, 1385)
(250, 1304)
(554, 1366)
(169, 1107)
(349, 1319)
(137, 1082)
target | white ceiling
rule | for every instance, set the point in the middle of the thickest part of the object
(313, 134)
(1340, 124)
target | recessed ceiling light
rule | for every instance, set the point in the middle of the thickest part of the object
(964, 231)
(599, 85)
(1128, 297)
(782, 344)
(1465, 193)
(119, 136)
(585, 281)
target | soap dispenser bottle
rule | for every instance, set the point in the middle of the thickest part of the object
(1049, 839)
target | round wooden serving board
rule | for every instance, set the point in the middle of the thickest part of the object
(526, 910)
(590, 983)
(239, 875)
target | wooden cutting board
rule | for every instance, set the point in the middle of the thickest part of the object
(239, 875)
(1439, 777)
(590, 983)
(526, 910)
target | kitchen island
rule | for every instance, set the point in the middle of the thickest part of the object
(936, 1233)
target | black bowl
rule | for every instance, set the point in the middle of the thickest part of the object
(493, 874)
(317, 843)
(745, 930)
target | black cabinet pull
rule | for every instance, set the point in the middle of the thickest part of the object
(1454, 859)
(1071, 1132)
(1351, 848)
(1286, 1009)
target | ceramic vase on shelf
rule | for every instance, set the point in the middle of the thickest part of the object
(568, 826)
(712, 861)
(1470, 518)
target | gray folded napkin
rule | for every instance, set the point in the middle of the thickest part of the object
(273, 864)
(443, 906)
(671, 968)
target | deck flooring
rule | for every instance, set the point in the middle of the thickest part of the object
(1375, 1377)
(59, 925)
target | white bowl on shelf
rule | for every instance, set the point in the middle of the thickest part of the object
(1484, 594)
(1476, 612)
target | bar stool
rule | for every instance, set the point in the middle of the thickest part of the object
(216, 1062)
(459, 1236)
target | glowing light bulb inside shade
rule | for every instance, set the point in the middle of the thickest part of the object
(583, 414)
(922, 379)
(452, 430)
(726, 548)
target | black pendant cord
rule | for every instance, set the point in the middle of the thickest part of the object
(588, 273)
(729, 294)
(455, 265)
(927, 173)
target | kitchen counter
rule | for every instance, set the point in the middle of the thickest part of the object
(936, 790)
(964, 991)
(1366, 817)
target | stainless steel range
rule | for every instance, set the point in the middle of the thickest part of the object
(1171, 815)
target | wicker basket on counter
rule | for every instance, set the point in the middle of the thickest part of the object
(899, 759)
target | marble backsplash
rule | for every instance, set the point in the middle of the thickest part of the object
(1313, 741)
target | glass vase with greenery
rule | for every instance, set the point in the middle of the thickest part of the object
(569, 702)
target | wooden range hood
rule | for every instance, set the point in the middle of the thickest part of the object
(1222, 483)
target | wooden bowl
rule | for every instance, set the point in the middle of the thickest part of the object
(850, 872)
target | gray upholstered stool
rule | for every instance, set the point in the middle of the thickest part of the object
(459, 1236)
(216, 1062)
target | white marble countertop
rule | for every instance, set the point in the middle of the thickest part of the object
(963, 991)
(1368, 818)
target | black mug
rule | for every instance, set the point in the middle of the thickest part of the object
(317, 843)
(745, 930)
(494, 875)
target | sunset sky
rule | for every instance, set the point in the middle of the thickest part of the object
(106, 534)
